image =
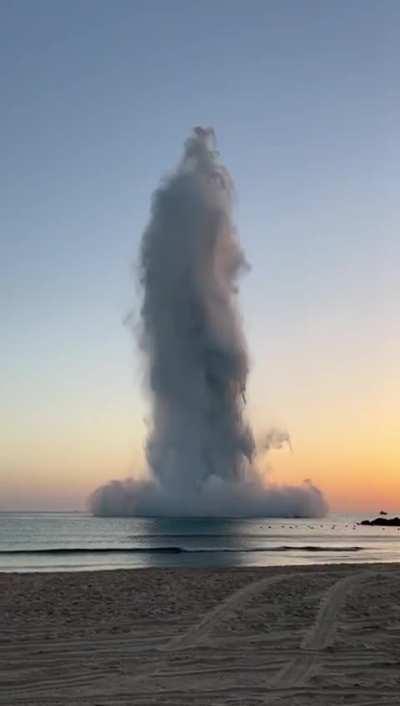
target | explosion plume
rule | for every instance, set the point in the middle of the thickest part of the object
(200, 449)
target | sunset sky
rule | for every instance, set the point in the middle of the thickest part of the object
(97, 99)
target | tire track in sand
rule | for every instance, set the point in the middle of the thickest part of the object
(320, 634)
(199, 630)
(195, 634)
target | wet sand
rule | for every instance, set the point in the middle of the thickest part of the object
(295, 636)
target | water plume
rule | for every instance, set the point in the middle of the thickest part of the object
(200, 450)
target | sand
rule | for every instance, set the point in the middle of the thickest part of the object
(315, 636)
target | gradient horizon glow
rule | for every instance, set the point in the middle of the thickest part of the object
(98, 98)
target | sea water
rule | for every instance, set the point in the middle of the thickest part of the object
(76, 541)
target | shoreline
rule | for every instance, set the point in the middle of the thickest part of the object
(357, 560)
(71, 571)
(205, 636)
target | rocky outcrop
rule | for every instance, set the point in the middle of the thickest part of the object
(382, 522)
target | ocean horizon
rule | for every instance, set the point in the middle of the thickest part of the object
(77, 541)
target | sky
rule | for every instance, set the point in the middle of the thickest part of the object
(97, 100)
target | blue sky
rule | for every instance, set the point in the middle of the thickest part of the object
(97, 98)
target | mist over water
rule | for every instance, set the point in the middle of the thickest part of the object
(200, 450)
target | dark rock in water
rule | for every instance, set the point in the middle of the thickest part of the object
(383, 512)
(382, 522)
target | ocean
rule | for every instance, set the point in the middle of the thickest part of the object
(76, 541)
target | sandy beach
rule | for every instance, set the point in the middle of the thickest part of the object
(324, 636)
